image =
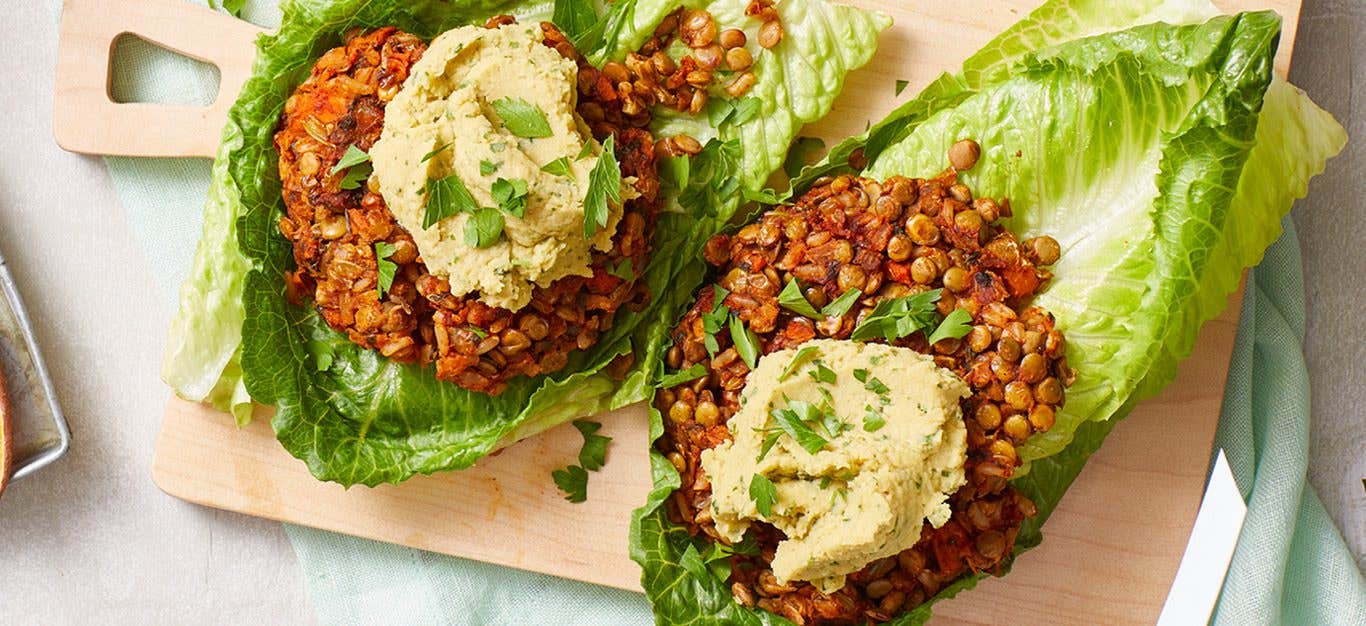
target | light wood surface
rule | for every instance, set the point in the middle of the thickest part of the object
(1111, 549)
(85, 118)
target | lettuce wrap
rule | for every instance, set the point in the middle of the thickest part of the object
(354, 416)
(1162, 157)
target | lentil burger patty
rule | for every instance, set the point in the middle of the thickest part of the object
(888, 239)
(334, 230)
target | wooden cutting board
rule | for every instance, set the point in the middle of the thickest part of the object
(1111, 549)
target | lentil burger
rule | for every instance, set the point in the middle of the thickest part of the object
(881, 241)
(334, 230)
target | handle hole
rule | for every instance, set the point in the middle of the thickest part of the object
(143, 71)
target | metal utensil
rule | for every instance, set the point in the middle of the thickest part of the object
(39, 430)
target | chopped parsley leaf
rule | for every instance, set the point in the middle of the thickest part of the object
(792, 420)
(876, 386)
(895, 318)
(797, 361)
(436, 151)
(510, 195)
(522, 118)
(823, 374)
(558, 167)
(573, 481)
(488, 167)
(386, 268)
(353, 156)
(763, 493)
(675, 379)
(873, 420)
(792, 299)
(484, 228)
(593, 454)
(746, 342)
(604, 185)
(956, 325)
(842, 304)
(445, 198)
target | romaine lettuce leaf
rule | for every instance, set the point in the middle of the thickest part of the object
(361, 418)
(1161, 157)
(201, 360)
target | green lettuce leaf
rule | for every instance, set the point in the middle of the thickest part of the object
(351, 415)
(1161, 157)
(201, 361)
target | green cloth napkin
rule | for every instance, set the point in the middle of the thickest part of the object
(1291, 565)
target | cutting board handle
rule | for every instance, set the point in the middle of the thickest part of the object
(85, 118)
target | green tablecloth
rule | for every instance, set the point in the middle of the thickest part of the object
(1291, 565)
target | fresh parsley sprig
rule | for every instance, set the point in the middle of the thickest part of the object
(573, 480)
(385, 267)
(604, 186)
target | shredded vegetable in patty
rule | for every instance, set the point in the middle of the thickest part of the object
(865, 242)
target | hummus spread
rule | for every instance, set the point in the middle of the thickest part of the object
(445, 113)
(894, 453)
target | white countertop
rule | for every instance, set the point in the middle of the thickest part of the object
(91, 539)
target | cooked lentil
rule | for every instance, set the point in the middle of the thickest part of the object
(891, 238)
(334, 230)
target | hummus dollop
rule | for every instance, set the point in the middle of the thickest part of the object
(895, 450)
(443, 121)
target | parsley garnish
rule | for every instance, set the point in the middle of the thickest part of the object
(894, 318)
(384, 250)
(484, 228)
(873, 420)
(510, 196)
(585, 152)
(593, 454)
(956, 325)
(763, 493)
(746, 342)
(712, 321)
(604, 184)
(573, 481)
(438, 150)
(876, 386)
(558, 167)
(842, 304)
(487, 167)
(478, 332)
(356, 175)
(522, 118)
(823, 374)
(792, 420)
(352, 156)
(445, 198)
(797, 361)
(675, 379)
